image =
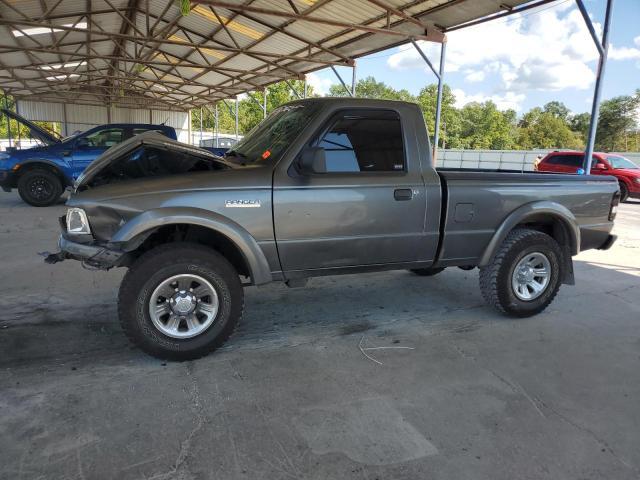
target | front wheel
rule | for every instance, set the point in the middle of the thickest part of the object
(525, 275)
(180, 301)
(624, 192)
(39, 187)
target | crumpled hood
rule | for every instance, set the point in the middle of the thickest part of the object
(153, 139)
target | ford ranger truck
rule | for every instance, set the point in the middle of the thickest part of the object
(321, 187)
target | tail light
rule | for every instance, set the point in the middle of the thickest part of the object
(615, 201)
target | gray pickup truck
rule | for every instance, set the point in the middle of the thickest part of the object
(321, 187)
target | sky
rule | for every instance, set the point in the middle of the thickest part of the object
(521, 61)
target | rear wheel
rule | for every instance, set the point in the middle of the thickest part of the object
(180, 301)
(39, 187)
(624, 192)
(427, 272)
(525, 274)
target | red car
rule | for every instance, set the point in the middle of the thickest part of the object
(627, 172)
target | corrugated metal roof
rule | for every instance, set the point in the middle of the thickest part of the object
(147, 54)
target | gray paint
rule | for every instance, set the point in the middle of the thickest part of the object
(334, 223)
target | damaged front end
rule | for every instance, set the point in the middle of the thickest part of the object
(85, 249)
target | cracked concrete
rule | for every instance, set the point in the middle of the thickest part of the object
(473, 396)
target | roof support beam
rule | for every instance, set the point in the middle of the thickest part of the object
(305, 18)
(603, 49)
(166, 41)
(440, 76)
(349, 91)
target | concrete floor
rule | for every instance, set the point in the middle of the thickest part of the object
(463, 394)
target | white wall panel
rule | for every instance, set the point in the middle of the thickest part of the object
(87, 115)
(46, 112)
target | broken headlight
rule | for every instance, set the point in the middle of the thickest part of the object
(77, 222)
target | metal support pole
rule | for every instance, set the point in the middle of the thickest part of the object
(293, 89)
(344, 85)
(264, 103)
(436, 133)
(6, 107)
(236, 118)
(353, 80)
(595, 107)
(189, 128)
(304, 92)
(66, 124)
(200, 126)
(216, 133)
(19, 141)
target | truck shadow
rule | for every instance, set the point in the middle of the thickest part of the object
(380, 304)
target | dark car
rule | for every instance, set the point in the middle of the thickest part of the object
(41, 173)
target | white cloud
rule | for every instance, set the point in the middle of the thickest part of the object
(474, 76)
(626, 53)
(320, 85)
(545, 50)
(509, 100)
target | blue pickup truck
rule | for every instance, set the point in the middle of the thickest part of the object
(41, 173)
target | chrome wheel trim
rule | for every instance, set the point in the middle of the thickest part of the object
(183, 306)
(531, 276)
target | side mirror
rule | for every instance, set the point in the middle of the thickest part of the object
(82, 142)
(312, 160)
(600, 166)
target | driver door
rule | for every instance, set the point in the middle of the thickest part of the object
(91, 145)
(367, 208)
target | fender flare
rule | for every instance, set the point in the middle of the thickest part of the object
(48, 163)
(543, 208)
(145, 223)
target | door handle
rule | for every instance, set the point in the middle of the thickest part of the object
(402, 194)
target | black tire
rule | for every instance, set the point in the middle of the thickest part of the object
(624, 192)
(496, 278)
(158, 265)
(427, 272)
(39, 187)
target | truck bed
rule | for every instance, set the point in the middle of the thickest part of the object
(477, 202)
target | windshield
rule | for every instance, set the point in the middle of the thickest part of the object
(621, 162)
(270, 138)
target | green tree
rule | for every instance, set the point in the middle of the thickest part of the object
(557, 109)
(546, 128)
(370, 88)
(483, 126)
(579, 124)
(17, 129)
(249, 108)
(450, 126)
(618, 118)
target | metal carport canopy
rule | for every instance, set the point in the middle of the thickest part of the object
(147, 54)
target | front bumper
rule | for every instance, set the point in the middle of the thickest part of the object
(94, 255)
(7, 180)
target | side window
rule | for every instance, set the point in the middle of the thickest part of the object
(367, 141)
(566, 160)
(105, 138)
